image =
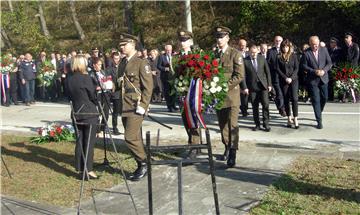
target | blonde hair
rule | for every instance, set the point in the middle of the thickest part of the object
(79, 64)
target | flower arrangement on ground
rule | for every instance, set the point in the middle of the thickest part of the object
(54, 133)
(347, 81)
(47, 74)
(200, 83)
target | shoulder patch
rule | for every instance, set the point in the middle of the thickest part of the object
(147, 69)
(240, 60)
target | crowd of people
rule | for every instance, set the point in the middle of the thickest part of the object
(126, 81)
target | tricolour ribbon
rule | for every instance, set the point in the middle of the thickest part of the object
(192, 104)
(5, 84)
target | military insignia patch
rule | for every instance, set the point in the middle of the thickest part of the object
(147, 69)
(240, 60)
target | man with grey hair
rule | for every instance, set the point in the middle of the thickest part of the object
(317, 63)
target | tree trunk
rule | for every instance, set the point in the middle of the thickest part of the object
(188, 15)
(128, 16)
(76, 21)
(43, 21)
(11, 6)
(5, 39)
(99, 14)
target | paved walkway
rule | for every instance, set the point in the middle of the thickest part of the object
(261, 159)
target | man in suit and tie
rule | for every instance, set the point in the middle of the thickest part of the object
(317, 63)
(243, 97)
(271, 59)
(166, 75)
(257, 84)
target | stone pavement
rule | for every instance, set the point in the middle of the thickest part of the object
(262, 158)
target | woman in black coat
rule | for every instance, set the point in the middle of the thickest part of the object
(82, 94)
(287, 66)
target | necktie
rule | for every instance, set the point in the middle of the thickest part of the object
(254, 64)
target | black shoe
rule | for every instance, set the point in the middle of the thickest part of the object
(16, 103)
(170, 110)
(232, 158)
(140, 172)
(225, 156)
(282, 112)
(116, 131)
(244, 113)
(175, 108)
(267, 128)
(256, 128)
(319, 125)
(297, 127)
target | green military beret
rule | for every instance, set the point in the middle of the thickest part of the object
(221, 31)
(127, 38)
(184, 35)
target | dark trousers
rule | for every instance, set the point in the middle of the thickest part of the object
(133, 138)
(228, 122)
(193, 133)
(170, 99)
(261, 96)
(244, 103)
(105, 102)
(13, 87)
(116, 111)
(279, 98)
(29, 90)
(319, 96)
(83, 144)
(291, 93)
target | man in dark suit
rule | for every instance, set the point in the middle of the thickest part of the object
(27, 71)
(317, 63)
(271, 59)
(351, 50)
(166, 75)
(257, 84)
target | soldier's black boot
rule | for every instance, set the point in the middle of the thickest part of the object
(232, 158)
(114, 124)
(225, 156)
(140, 172)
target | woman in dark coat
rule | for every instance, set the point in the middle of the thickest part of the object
(82, 94)
(287, 66)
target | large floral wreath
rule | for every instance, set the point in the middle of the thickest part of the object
(47, 74)
(200, 83)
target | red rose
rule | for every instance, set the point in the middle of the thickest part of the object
(350, 70)
(344, 69)
(58, 130)
(215, 71)
(191, 63)
(206, 57)
(201, 63)
(207, 75)
(190, 56)
(196, 68)
(215, 63)
(208, 67)
(39, 131)
(197, 56)
(52, 134)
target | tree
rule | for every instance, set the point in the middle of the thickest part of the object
(42, 20)
(76, 21)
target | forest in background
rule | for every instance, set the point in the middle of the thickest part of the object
(32, 26)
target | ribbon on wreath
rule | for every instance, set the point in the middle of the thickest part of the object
(192, 104)
(5, 84)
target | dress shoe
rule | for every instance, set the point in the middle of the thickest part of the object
(116, 131)
(170, 110)
(175, 108)
(225, 156)
(232, 158)
(257, 127)
(319, 125)
(267, 128)
(16, 103)
(244, 113)
(140, 172)
(282, 112)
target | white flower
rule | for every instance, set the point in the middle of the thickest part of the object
(43, 132)
(180, 84)
(207, 93)
(213, 84)
(213, 90)
(181, 77)
(218, 88)
(186, 82)
(216, 79)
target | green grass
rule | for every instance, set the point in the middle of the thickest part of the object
(315, 186)
(45, 173)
